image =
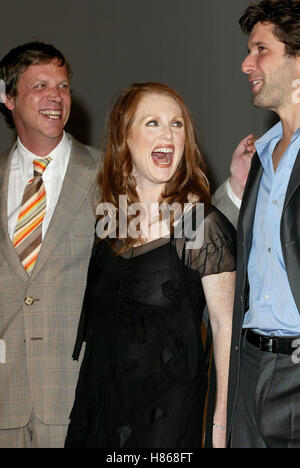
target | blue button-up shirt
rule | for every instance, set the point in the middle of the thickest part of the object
(272, 309)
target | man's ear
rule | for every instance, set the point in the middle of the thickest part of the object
(2, 91)
(8, 101)
(296, 82)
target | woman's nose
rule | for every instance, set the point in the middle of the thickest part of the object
(166, 132)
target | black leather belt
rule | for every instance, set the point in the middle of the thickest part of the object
(274, 344)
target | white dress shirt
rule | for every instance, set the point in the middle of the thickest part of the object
(21, 171)
(235, 200)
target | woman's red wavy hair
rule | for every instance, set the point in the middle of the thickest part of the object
(115, 177)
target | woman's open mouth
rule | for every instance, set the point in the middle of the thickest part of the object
(162, 156)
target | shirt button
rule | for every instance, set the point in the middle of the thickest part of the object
(28, 300)
(275, 202)
(269, 250)
(267, 298)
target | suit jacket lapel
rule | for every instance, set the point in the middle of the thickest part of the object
(247, 213)
(294, 182)
(77, 183)
(7, 249)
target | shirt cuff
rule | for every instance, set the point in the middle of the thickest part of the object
(235, 200)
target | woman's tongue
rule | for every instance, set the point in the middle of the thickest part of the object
(162, 159)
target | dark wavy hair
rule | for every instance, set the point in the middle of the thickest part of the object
(18, 60)
(115, 177)
(283, 14)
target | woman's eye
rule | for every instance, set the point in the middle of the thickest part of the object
(152, 123)
(177, 123)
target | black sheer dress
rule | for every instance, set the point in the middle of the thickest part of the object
(143, 379)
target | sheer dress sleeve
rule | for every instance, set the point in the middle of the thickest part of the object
(217, 252)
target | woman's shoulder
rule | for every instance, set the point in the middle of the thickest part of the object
(209, 243)
(216, 221)
(201, 228)
(211, 219)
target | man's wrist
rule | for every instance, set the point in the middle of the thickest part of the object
(234, 193)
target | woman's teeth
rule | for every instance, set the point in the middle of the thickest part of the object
(163, 150)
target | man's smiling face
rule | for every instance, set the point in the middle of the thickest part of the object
(43, 102)
(271, 71)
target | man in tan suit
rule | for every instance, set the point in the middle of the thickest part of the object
(39, 308)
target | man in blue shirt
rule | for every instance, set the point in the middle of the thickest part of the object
(264, 383)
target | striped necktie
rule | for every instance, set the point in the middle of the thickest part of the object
(28, 232)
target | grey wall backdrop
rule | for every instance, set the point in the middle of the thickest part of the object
(194, 45)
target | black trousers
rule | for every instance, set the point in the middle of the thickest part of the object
(267, 414)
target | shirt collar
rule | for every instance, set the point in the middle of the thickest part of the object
(274, 132)
(24, 152)
(26, 157)
(266, 144)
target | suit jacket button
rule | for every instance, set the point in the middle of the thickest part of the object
(28, 300)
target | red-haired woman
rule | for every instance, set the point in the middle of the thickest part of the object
(143, 380)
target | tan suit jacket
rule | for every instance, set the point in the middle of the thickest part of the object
(39, 314)
(221, 200)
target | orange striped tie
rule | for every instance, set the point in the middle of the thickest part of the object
(28, 232)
